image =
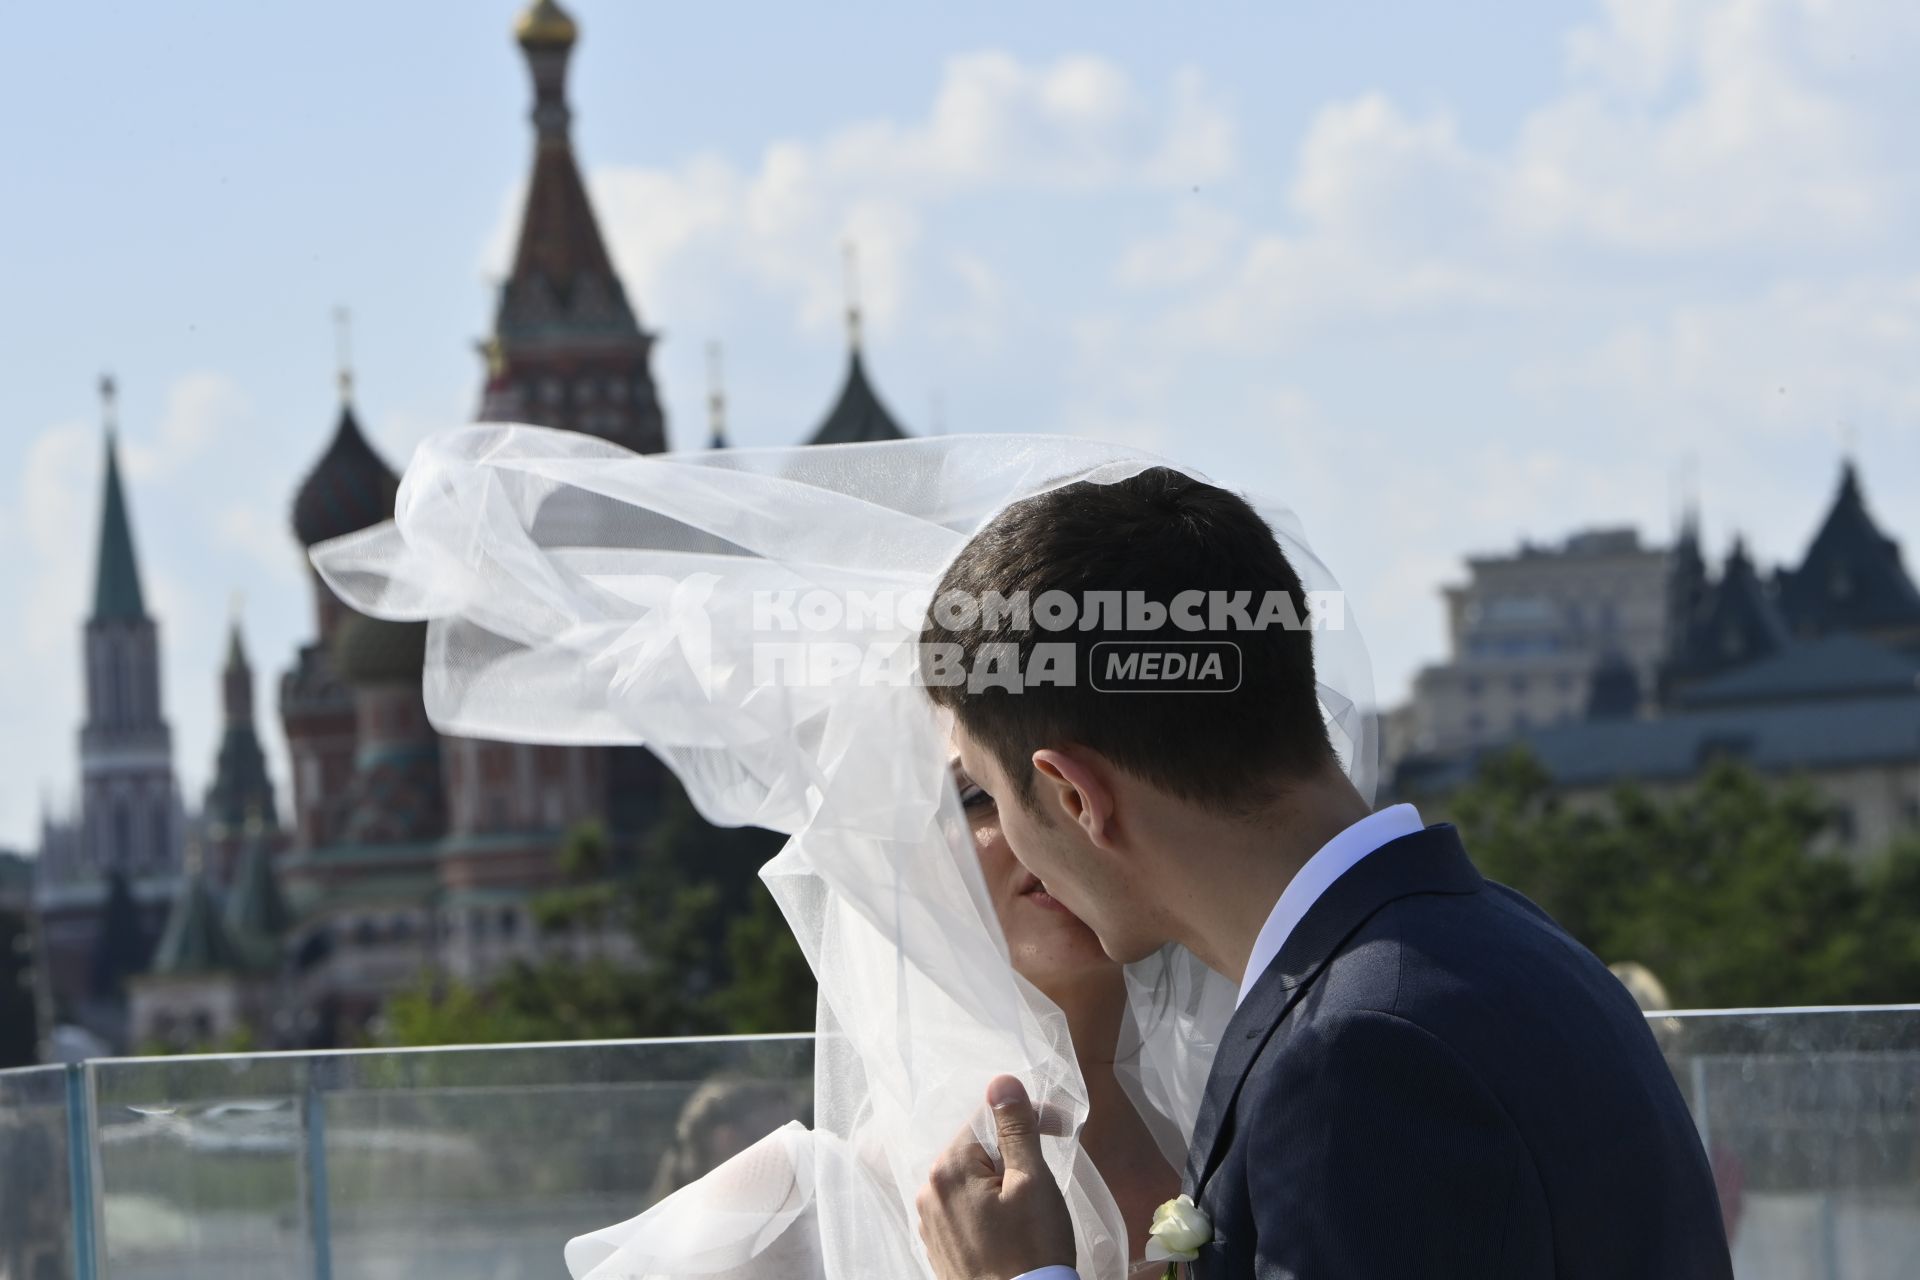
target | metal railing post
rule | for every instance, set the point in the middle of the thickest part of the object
(80, 1142)
(1829, 1237)
(319, 1209)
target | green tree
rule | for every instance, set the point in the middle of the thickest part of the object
(1721, 888)
(711, 953)
(19, 1033)
(771, 987)
(554, 1000)
(121, 948)
(1891, 933)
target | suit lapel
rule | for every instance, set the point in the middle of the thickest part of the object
(1429, 861)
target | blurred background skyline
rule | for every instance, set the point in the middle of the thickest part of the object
(1440, 282)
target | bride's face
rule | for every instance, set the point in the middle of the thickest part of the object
(1046, 941)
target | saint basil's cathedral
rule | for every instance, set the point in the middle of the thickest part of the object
(401, 852)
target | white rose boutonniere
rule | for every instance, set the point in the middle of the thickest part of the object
(1179, 1228)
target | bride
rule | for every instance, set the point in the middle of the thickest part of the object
(751, 616)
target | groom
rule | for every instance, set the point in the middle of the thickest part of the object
(1425, 1076)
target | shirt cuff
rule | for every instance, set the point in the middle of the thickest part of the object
(1049, 1273)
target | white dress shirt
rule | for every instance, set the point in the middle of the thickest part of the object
(1335, 858)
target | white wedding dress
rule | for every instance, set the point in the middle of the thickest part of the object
(579, 593)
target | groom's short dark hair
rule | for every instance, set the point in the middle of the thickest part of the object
(1159, 534)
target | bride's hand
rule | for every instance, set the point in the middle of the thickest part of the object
(983, 1223)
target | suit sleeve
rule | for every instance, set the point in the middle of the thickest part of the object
(1375, 1151)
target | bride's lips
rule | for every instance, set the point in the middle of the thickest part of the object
(1033, 891)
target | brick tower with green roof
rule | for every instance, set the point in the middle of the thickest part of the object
(130, 804)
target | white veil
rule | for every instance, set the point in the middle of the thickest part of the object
(580, 593)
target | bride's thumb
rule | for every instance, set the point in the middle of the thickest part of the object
(1017, 1125)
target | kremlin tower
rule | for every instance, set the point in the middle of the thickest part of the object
(130, 804)
(567, 349)
(104, 879)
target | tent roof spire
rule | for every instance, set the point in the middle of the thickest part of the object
(116, 588)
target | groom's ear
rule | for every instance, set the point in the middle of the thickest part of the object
(1078, 788)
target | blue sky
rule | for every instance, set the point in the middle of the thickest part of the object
(1440, 277)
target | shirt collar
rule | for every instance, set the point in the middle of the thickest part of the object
(1335, 858)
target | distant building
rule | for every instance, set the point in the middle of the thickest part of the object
(1716, 625)
(21, 991)
(218, 975)
(1527, 632)
(1813, 671)
(105, 874)
(16, 881)
(857, 416)
(239, 803)
(1852, 580)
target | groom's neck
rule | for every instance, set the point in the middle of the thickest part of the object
(1241, 864)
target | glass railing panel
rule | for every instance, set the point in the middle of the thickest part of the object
(1812, 1121)
(377, 1165)
(485, 1163)
(36, 1177)
(201, 1167)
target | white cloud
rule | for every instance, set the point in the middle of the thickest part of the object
(59, 501)
(1368, 171)
(1285, 286)
(1079, 122)
(1704, 128)
(1700, 125)
(1394, 217)
(1200, 242)
(1758, 157)
(200, 408)
(686, 234)
(980, 319)
(1643, 47)
(261, 535)
(1838, 348)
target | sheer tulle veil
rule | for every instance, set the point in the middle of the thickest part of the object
(579, 593)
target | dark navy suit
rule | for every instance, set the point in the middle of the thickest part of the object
(1432, 1080)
